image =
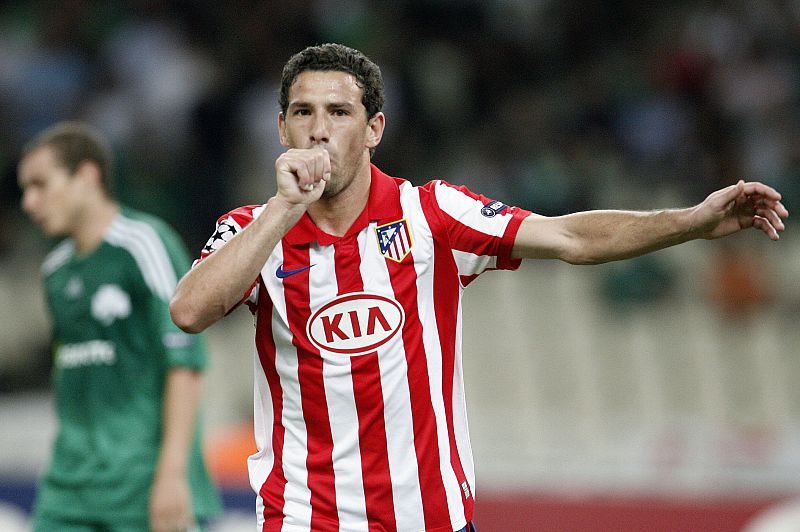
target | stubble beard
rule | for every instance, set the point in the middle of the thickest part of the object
(339, 181)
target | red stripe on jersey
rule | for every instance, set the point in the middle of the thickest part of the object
(445, 292)
(434, 499)
(368, 393)
(466, 279)
(464, 238)
(272, 490)
(319, 462)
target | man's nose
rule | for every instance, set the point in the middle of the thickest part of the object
(28, 201)
(320, 130)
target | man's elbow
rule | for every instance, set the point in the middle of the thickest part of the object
(184, 317)
(583, 260)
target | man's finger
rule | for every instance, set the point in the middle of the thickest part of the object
(764, 225)
(326, 166)
(756, 188)
(772, 217)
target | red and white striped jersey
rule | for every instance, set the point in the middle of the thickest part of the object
(360, 414)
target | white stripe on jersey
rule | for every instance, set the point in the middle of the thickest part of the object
(472, 264)
(260, 463)
(468, 210)
(430, 337)
(398, 419)
(57, 257)
(460, 425)
(340, 398)
(399, 423)
(297, 496)
(143, 243)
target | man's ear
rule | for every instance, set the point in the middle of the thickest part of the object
(90, 172)
(282, 130)
(376, 125)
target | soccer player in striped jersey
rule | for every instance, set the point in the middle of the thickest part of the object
(127, 381)
(356, 278)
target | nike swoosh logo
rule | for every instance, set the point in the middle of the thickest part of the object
(283, 274)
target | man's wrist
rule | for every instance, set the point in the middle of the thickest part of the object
(689, 219)
(284, 212)
(282, 206)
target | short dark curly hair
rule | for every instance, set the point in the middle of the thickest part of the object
(332, 56)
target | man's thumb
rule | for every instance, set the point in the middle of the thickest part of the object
(733, 191)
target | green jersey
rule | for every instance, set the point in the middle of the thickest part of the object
(113, 342)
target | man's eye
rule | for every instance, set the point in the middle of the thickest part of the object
(301, 112)
(340, 112)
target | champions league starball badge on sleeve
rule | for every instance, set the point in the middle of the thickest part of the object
(225, 231)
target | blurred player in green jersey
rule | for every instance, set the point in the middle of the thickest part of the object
(127, 381)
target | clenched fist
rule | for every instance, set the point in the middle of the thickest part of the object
(302, 174)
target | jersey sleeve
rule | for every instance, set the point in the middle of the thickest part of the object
(480, 230)
(160, 259)
(181, 349)
(228, 226)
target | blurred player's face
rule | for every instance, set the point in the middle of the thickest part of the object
(325, 109)
(50, 195)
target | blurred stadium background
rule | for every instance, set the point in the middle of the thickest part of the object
(656, 394)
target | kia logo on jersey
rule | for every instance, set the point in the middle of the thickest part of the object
(355, 324)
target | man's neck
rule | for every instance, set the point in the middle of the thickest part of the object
(93, 224)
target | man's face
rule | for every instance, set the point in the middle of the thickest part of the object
(50, 195)
(325, 109)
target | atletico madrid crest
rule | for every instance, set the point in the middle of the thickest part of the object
(394, 240)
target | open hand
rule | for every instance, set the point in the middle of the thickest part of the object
(738, 207)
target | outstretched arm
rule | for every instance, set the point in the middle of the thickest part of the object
(219, 282)
(594, 237)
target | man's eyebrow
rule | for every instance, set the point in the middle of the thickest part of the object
(328, 105)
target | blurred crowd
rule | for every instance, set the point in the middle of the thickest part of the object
(553, 106)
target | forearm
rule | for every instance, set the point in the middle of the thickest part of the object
(170, 503)
(182, 392)
(604, 236)
(594, 237)
(213, 287)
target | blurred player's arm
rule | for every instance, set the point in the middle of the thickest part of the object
(594, 237)
(219, 282)
(170, 494)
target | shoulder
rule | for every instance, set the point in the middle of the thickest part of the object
(229, 224)
(445, 196)
(58, 257)
(141, 221)
(241, 216)
(137, 230)
(153, 245)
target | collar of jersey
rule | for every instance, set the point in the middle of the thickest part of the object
(383, 205)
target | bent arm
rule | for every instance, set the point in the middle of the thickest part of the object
(210, 289)
(594, 237)
(219, 282)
